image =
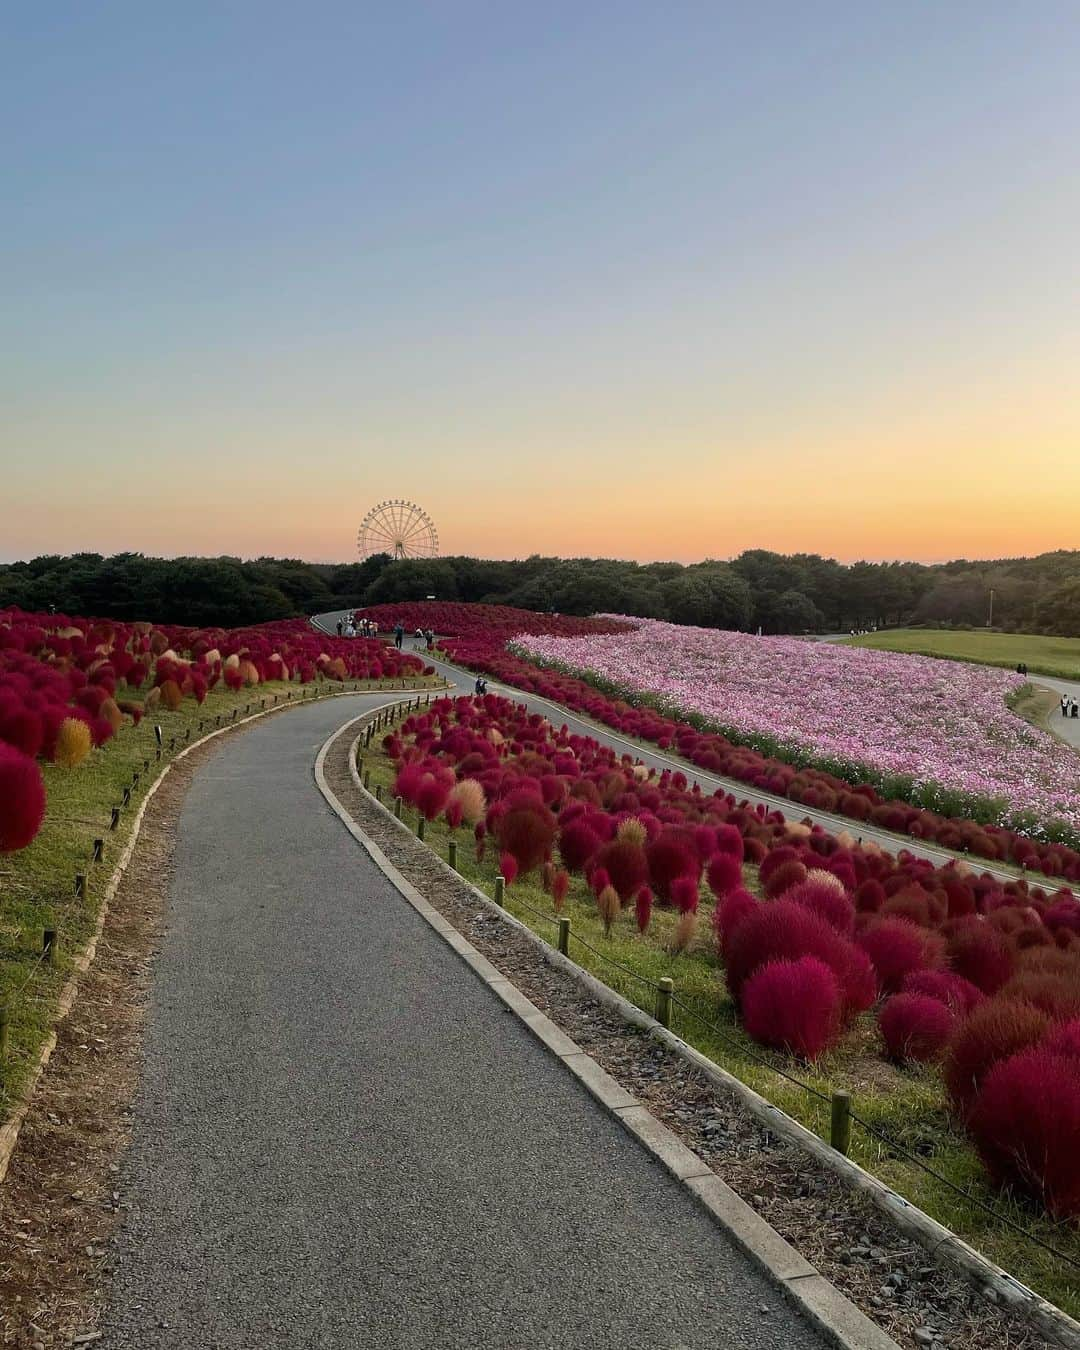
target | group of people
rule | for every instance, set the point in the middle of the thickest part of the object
(1069, 706)
(424, 636)
(481, 685)
(350, 626)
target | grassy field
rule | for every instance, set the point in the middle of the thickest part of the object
(1042, 655)
(37, 884)
(909, 1106)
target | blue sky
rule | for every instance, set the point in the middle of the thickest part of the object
(644, 280)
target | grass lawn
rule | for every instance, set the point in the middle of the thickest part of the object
(37, 884)
(908, 1105)
(1043, 655)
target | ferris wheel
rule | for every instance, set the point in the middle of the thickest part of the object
(399, 528)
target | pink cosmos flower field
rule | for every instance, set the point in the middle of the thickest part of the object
(942, 724)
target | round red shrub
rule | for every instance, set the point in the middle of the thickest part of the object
(670, 856)
(22, 799)
(959, 994)
(794, 1006)
(896, 947)
(626, 866)
(578, 841)
(781, 930)
(828, 902)
(508, 867)
(1064, 1040)
(1025, 1124)
(993, 1031)
(724, 874)
(782, 878)
(980, 954)
(685, 895)
(643, 908)
(916, 1026)
(527, 831)
(1055, 995)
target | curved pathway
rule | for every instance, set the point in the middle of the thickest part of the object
(891, 843)
(343, 1139)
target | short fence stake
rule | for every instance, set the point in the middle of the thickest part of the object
(500, 889)
(126, 797)
(157, 734)
(451, 852)
(420, 824)
(663, 1001)
(367, 778)
(146, 766)
(840, 1125)
(49, 945)
(115, 821)
(3, 1031)
(397, 807)
(378, 792)
(80, 885)
(99, 849)
(564, 935)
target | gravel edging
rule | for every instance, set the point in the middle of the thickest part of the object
(915, 1293)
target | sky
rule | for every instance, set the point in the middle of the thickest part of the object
(622, 279)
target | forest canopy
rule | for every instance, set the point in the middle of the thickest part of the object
(780, 593)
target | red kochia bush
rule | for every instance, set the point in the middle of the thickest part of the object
(625, 864)
(960, 994)
(670, 856)
(1026, 1123)
(729, 912)
(992, 1032)
(897, 947)
(781, 930)
(980, 954)
(22, 799)
(643, 908)
(527, 831)
(916, 1026)
(508, 868)
(794, 1006)
(827, 901)
(578, 841)
(724, 874)
(788, 874)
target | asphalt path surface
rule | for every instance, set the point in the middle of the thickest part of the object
(343, 1139)
(891, 843)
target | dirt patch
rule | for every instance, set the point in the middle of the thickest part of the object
(889, 1276)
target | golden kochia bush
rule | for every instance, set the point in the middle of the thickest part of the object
(152, 699)
(72, 742)
(171, 695)
(470, 794)
(249, 672)
(110, 710)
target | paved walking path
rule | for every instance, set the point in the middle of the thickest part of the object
(343, 1139)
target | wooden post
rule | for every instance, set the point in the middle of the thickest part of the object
(115, 821)
(80, 885)
(4, 1038)
(378, 792)
(663, 1001)
(564, 935)
(126, 798)
(500, 890)
(840, 1124)
(367, 779)
(420, 825)
(397, 807)
(49, 945)
(99, 849)
(451, 853)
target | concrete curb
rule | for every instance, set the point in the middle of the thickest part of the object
(9, 1131)
(820, 1302)
(940, 1242)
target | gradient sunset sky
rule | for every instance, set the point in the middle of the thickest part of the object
(634, 279)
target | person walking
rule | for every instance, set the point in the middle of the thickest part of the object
(1064, 705)
(399, 634)
(339, 627)
(1075, 708)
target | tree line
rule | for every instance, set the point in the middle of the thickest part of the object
(778, 593)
